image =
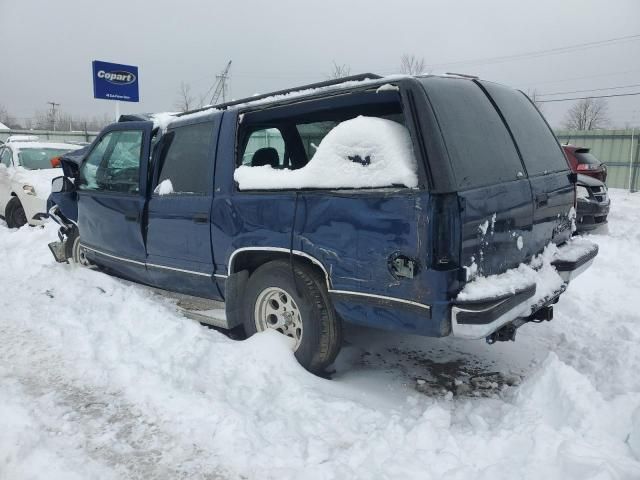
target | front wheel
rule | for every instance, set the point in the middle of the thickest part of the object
(73, 250)
(14, 214)
(300, 309)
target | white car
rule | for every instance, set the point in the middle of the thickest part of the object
(26, 172)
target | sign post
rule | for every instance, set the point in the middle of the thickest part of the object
(114, 81)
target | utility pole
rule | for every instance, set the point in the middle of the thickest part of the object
(53, 114)
(221, 85)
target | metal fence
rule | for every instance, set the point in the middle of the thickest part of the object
(619, 149)
(52, 136)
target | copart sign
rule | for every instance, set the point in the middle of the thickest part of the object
(113, 81)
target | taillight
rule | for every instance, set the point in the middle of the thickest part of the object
(55, 162)
(586, 166)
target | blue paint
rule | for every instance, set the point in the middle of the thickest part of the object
(114, 81)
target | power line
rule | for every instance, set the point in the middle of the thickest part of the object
(591, 96)
(589, 90)
(540, 53)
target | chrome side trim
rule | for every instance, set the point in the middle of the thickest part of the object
(164, 267)
(143, 264)
(283, 250)
(382, 297)
(220, 275)
(115, 257)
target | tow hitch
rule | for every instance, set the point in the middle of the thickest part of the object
(508, 332)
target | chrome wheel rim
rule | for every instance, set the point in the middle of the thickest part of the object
(276, 309)
(79, 255)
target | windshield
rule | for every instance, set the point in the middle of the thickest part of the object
(585, 157)
(38, 158)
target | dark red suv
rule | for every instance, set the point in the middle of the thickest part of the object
(583, 162)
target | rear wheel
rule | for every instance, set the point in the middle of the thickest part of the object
(14, 214)
(299, 309)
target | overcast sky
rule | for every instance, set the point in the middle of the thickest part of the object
(47, 46)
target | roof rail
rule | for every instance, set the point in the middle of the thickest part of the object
(326, 83)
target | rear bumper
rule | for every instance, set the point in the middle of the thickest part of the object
(479, 318)
(591, 214)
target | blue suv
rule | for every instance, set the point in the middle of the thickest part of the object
(367, 200)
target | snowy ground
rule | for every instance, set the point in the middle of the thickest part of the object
(99, 379)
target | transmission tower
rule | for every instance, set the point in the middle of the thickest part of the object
(53, 114)
(221, 88)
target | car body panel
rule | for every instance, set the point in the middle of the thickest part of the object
(592, 212)
(14, 178)
(597, 171)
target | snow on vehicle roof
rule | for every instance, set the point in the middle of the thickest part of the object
(60, 146)
(163, 119)
(364, 152)
(22, 138)
(3, 126)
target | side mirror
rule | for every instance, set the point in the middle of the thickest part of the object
(62, 184)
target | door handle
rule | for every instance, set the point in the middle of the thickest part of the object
(131, 216)
(201, 218)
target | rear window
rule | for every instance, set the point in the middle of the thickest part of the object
(479, 145)
(540, 150)
(586, 157)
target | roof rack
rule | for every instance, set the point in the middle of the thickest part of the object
(327, 83)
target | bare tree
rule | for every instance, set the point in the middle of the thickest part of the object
(7, 119)
(339, 71)
(587, 114)
(535, 98)
(411, 65)
(185, 100)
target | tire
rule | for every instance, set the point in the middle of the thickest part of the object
(14, 214)
(72, 249)
(273, 301)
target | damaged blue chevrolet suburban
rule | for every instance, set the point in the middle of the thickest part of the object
(367, 200)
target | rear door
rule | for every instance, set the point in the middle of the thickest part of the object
(179, 252)
(494, 195)
(545, 163)
(111, 198)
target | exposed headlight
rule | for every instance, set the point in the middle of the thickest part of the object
(28, 189)
(582, 192)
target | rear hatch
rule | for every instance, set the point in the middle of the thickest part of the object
(514, 189)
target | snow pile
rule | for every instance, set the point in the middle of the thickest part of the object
(162, 120)
(165, 187)
(120, 385)
(363, 152)
(538, 271)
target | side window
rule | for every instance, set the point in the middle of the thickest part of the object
(349, 146)
(539, 148)
(5, 157)
(312, 134)
(185, 163)
(264, 147)
(479, 145)
(114, 163)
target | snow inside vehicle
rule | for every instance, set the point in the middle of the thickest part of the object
(435, 205)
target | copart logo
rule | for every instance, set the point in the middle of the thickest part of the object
(117, 78)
